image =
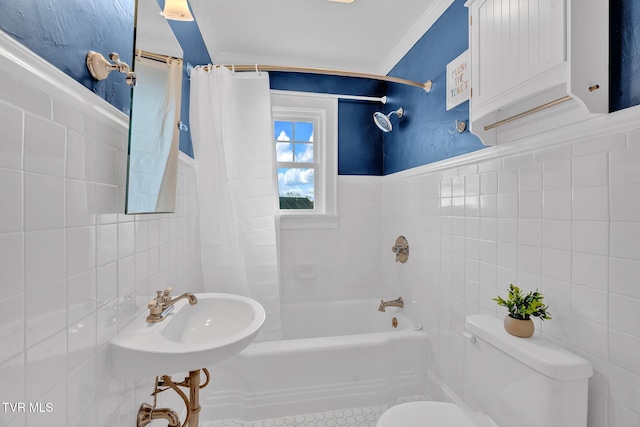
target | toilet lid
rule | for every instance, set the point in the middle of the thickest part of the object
(418, 414)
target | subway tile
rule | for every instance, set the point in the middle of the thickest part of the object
(624, 166)
(44, 202)
(622, 313)
(590, 337)
(126, 239)
(591, 237)
(81, 157)
(590, 270)
(11, 143)
(472, 185)
(508, 230)
(12, 386)
(625, 202)
(590, 171)
(591, 203)
(517, 161)
(622, 416)
(623, 276)
(106, 243)
(489, 183)
(530, 204)
(46, 365)
(24, 96)
(553, 154)
(126, 275)
(12, 319)
(106, 283)
(601, 144)
(625, 239)
(508, 205)
(489, 206)
(624, 350)
(557, 175)
(57, 399)
(45, 257)
(556, 264)
(530, 232)
(556, 234)
(530, 259)
(589, 303)
(12, 263)
(81, 387)
(11, 195)
(556, 204)
(81, 249)
(44, 146)
(46, 312)
(530, 178)
(81, 295)
(507, 181)
(81, 200)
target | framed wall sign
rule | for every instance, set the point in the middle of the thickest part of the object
(458, 80)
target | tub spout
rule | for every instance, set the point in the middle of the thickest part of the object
(148, 413)
(394, 303)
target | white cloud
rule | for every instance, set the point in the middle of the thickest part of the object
(306, 155)
(297, 176)
(283, 136)
(284, 152)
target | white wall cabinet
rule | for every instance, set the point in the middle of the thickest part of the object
(536, 65)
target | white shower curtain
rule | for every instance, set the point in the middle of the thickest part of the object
(230, 117)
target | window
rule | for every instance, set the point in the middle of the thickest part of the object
(304, 140)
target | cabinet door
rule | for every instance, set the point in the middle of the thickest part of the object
(513, 41)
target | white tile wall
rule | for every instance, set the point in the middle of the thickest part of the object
(562, 219)
(337, 263)
(73, 269)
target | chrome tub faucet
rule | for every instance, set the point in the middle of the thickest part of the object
(162, 304)
(394, 303)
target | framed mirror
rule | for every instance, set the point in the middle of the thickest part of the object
(152, 170)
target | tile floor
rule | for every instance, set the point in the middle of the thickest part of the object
(365, 416)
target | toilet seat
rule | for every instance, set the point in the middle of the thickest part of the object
(417, 414)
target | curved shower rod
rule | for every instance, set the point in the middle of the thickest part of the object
(426, 86)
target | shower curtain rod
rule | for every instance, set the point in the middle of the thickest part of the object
(426, 86)
(154, 56)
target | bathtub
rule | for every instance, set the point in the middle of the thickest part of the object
(333, 356)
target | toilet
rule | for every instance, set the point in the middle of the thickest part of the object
(508, 381)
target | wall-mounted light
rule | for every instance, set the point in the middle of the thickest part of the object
(100, 68)
(178, 10)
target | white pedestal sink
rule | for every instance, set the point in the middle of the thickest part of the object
(189, 338)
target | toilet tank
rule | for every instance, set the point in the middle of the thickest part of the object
(524, 382)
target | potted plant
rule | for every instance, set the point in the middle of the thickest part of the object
(521, 308)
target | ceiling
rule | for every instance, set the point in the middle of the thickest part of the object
(368, 36)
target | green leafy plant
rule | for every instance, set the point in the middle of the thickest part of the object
(522, 306)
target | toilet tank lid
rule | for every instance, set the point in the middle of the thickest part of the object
(541, 355)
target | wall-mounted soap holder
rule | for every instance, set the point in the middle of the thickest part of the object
(401, 249)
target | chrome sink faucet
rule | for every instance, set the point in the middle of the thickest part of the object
(162, 304)
(394, 303)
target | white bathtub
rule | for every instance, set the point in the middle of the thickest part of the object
(334, 355)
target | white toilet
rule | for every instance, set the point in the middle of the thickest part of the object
(508, 381)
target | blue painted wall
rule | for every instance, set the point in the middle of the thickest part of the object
(62, 32)
(624, 54)
(423, 135)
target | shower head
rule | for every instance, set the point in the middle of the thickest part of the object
(383, 121)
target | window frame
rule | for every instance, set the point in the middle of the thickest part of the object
(323, 113)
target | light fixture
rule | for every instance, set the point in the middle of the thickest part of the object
(178, 10)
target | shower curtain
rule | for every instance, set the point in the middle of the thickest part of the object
(230, 117)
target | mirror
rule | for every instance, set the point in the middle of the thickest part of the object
(152, 171)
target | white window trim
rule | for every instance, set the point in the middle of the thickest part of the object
(323, 111)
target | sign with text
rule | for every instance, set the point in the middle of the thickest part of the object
(458, 80)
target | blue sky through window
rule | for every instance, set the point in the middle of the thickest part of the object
(294, 144)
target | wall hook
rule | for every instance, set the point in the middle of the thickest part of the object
(100, 68)
(461, 126)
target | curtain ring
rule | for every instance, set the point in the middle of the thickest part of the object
(258, 70)
(233, 70)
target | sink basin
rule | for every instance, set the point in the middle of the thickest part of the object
(189, 338)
